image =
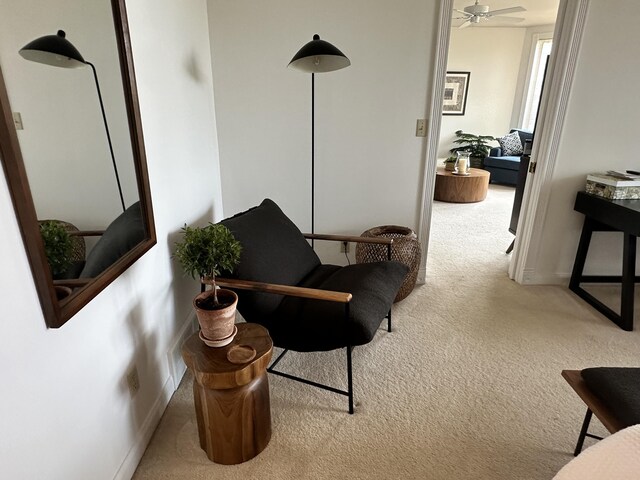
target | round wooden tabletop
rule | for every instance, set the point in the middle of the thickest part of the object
(461, 188)
(212, 367)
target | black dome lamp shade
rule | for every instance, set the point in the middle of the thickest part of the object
(57, 51)
(319, 56)
(53, 50)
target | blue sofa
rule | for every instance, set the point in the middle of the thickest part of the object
(504, 169)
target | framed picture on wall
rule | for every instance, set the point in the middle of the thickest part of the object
(456, 85)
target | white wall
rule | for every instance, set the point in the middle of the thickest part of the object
(492, 55)
(64, 143)
(600, 134)
(65, 412)
(369, 163)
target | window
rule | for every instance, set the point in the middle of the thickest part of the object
(534, 85)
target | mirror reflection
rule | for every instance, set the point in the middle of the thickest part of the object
(65, 87)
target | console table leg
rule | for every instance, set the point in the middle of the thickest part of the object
(581, 255)
(628, 282)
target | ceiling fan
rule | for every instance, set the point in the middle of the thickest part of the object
(474, 13)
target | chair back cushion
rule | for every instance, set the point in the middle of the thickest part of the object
(273, 251)
(124, 233)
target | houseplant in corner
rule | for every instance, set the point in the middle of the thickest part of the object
(476, 145)
(203, 253)
(58, 248)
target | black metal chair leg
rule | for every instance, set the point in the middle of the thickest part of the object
(389, 321)
(583, 432)
(349, 379)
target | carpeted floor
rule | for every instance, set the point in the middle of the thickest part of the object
(468, 385)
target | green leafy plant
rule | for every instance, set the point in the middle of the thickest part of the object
(204, 252)
(476, 145)
(58, 246)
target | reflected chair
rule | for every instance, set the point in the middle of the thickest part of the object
(305, 305)
(611, 393)
(120, 236)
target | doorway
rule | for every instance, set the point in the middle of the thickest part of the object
(567, 33)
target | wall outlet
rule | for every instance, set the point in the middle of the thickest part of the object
(345, 247)
(133, 381)
(421, 127)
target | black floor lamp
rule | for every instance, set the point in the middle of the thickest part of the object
(317, 56)
(57, 51)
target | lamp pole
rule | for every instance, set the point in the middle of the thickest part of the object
(106, 128)
(313, 151)
(317, 56)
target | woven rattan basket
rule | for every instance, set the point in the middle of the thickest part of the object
(405, 249)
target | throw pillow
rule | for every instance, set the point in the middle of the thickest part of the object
(510, 144)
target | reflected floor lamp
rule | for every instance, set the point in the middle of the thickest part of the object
(317, 56)
(57, 51)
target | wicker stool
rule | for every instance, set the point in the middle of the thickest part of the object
(405, 249)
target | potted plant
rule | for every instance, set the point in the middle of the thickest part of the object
(203, 253)
(476, 145)
(449, 163)
(58, 246)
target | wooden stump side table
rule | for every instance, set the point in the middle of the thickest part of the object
(460, 188)
(231, 400)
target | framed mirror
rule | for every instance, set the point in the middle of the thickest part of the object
(71, 146)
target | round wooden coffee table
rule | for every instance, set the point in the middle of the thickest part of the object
(231, 394)
(460, 188)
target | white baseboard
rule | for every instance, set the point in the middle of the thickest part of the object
(422, 276)
(531, 278)
(131, 461)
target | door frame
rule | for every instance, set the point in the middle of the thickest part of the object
(568, 34)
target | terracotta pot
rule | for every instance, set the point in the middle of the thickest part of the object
(217, 324)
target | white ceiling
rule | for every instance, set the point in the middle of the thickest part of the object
(539, 12)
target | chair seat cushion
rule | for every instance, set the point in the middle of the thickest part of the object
(315, 325)
(619, 390)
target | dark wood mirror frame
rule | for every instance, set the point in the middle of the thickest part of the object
(57, 313)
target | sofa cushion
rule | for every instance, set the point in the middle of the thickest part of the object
(510, 144)
(619, 390)
(314, 325)
(273, 251)
(509, 163)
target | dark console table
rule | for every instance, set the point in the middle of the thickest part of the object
(602, 215)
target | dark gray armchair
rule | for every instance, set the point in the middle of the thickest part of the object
(305, 305)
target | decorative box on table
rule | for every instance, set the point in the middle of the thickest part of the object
(614, 187)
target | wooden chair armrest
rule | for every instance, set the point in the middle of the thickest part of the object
(86, 233)
(608, 419)
(349, 238)
(312, 293)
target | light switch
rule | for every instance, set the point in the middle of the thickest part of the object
(17, 121)
(421, 127)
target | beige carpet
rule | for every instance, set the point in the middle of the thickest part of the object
(468, 385)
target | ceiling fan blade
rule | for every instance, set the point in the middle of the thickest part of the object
(503, 11)
(505, 19)
(463, 12)
(465, 24)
